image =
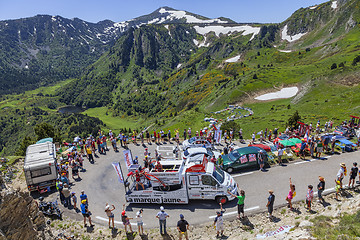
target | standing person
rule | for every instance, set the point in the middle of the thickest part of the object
(341, 173)
(280, 153)
(319, 147)
(83, 196)
(162, 215)
(275, 133)
(85, 212)
(261, 160)
(125, 219)
(253, 137)
(337, 188)
(140, 222)
(183, 227)
(270, 203)
(302, 148)
(154, 136)
(169, 136)
(89, 153)
(67, 194)
(321, 188)
(269, 135)
(219, 222)
(74, 199)
(240, 203)
(291, 195)
(353, 174)
(189, 133)
(309, 197)
(148, 137)
(184, 134)
(110, 214)
(333, 141)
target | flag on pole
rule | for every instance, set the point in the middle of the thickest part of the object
(128, 158)
(117, 168)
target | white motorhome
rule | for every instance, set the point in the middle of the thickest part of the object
(40, 166)
(178, 183)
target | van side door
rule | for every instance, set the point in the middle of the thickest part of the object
(194, 186)
(210, 186)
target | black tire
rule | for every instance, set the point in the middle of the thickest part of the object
(230, 170)
(221, 199)
(165, 188)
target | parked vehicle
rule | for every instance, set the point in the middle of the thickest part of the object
(197, 154)
(243, 158)
(196, 142)
(179, 182)
(40, 166)
(50, 209)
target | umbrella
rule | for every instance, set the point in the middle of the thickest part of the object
(44, 140)
(295, 140)
(287, 143)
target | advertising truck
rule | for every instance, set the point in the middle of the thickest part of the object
(179, 182)
(40, 166)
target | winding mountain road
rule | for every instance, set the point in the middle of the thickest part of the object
(101, 185)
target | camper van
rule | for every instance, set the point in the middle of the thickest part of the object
(177, 183)
(40, 166)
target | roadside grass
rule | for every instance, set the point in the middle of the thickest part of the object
(347, 228)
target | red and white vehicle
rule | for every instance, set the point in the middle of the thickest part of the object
(178, 183)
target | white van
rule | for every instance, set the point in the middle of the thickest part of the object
(178, 183)
(40, 166)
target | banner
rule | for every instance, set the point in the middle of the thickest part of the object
(243, 159)
(117, 168)
(218, 136)
(281, 230)
(252, 157)
(128, 158)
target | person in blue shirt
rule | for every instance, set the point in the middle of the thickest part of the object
(83, 196)
(85, 212)
(162, 215)
(302, 149)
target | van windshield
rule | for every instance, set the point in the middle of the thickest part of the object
(218, 174)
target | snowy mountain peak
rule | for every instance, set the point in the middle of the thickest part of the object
(171, 14)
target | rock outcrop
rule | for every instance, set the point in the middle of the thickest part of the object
(20, 217)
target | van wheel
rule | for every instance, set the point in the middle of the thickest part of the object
(221, 199)
(165, 188)
(230, 170)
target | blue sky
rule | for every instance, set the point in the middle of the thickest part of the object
(262, 11)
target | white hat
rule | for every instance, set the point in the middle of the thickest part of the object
(138, 213)
(162, 208)
(107, 207)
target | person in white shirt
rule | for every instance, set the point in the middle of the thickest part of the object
(140, 222)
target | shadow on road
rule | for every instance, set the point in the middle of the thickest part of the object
(275, 219)
(115, 232)
(247, 225)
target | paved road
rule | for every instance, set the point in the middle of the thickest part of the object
(101, 185)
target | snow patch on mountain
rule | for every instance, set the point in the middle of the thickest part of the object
(285, 51)
(313, 7)
(175, 14)
(234, 59)
(245, 29)
(285, 36)
(334, 5)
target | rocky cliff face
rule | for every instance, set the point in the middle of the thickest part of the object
(20, 217)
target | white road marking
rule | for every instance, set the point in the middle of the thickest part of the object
(235, 212)
(117, 222)
(301, 162)
(311, 160)
(242, 174)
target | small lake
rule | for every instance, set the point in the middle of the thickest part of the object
(70, 109)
